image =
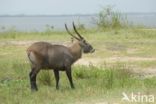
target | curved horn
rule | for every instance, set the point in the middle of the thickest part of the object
(77, 31)
(70, 33)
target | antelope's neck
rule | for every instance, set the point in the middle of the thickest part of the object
(76, 50)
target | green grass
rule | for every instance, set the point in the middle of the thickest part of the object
(91, 83)
(94, 84)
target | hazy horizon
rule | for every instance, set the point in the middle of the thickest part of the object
(73, 7)
(136, 13)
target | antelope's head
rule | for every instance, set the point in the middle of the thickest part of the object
(86, 47)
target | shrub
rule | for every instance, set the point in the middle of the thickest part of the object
(108, 18)
(46, 78)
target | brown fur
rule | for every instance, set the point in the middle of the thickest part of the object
(76, 50)
(43, 55)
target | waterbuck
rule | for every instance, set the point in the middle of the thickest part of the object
(43, 55)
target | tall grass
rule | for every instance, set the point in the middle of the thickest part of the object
(91, 83)
(108, 18)
(110, 77)
(45, 77)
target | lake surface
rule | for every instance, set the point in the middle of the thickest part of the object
(41, 23)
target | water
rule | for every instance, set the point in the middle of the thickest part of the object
(41, 23)
(146, 19)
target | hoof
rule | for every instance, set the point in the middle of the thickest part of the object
(34, 89)
(73, 87)
(57, 88)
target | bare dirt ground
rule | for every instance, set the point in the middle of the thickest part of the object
(22, 43)
(98, 62)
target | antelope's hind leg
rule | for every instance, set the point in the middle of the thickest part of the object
(33, 75)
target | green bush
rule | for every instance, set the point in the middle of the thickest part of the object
(108, 18)
(46, 77)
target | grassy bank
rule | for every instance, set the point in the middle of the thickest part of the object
(92, 85)
(110, 71)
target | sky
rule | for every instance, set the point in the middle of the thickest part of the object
(67, 7)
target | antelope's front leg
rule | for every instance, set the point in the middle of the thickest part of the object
(57, 77)
(69, 75)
